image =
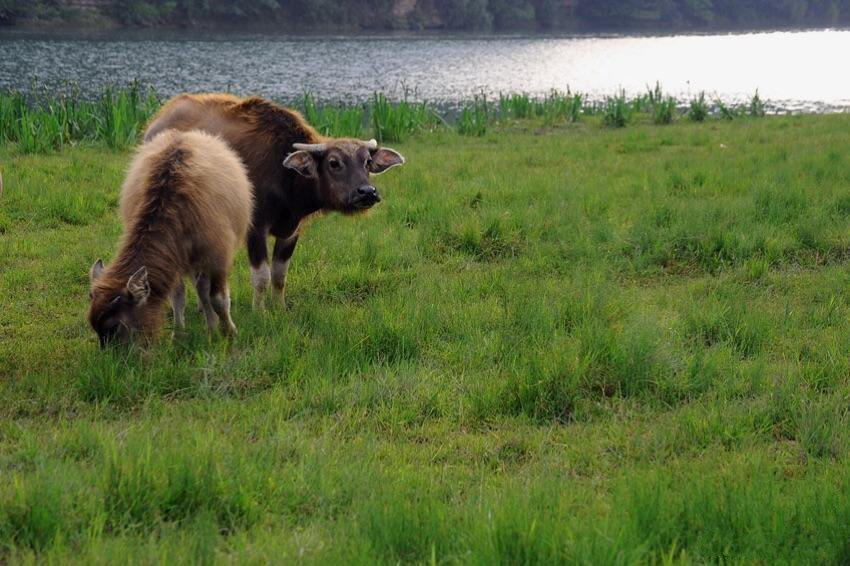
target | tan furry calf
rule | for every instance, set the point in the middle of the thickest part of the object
(186, 205)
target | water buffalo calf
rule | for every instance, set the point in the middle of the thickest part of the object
(186, 206)
(318, 174)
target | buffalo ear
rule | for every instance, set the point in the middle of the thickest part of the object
(138, 286)
(302, 162)
(96, 270)
(384, 158)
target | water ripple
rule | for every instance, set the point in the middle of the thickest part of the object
(792, 70)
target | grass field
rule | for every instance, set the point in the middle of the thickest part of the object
(548, 344)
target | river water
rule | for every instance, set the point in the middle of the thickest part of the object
(793, 70)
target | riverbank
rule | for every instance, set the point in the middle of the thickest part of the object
(549, 343)
(416, 15)
(94, 26)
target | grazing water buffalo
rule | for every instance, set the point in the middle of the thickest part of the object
(318, 174)
(186, 206)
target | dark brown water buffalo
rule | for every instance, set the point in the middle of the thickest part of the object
(295, 172)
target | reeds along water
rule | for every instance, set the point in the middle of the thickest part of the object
(41, 121)
(393, 121)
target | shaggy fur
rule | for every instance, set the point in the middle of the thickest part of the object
(263, 134)
(186, 207)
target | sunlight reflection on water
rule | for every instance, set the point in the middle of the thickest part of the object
(794, 70)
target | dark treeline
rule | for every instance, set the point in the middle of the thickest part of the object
(574, 15)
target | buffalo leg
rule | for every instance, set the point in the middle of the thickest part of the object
(258, 255)
(220, 298)
(195, 277)
(178, 305)
(283, 249)
(202, 285)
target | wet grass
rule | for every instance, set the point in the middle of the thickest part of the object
(551, 343)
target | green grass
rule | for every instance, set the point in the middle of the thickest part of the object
(549, 344)
(475, 118)
(663, 107)
(330, 120)
(698, 108)
(556, 107)
(42, 121)
(617, 111)
(394, 121)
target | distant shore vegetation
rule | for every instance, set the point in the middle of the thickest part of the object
(465, 15)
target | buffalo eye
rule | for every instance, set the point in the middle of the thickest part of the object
(369, 163)
(335, 164)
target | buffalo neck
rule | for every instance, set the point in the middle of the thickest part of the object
(162, 262)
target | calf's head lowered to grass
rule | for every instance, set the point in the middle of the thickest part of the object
(340, 169)
(118, 306)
